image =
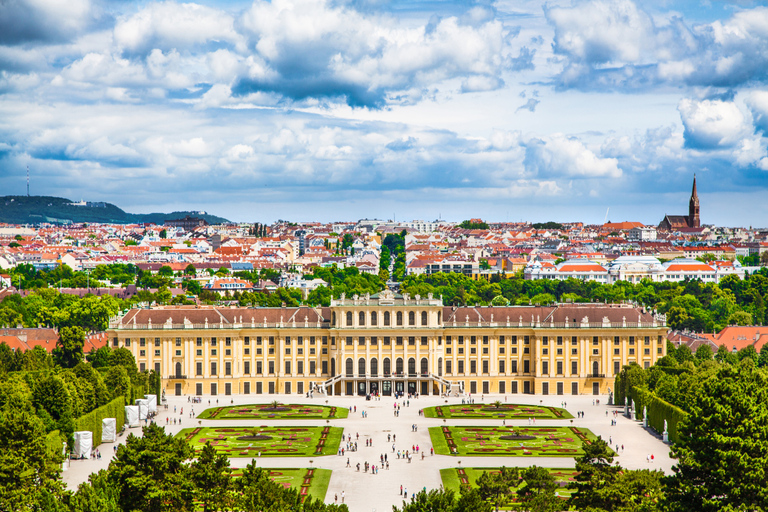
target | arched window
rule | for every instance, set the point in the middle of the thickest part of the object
(424, 318)
(424, 366)
(387, 367)
(412, 367)
(178, 370)
(411, 318)
(374, 367)
(387, 321)
(438, 317)
(399, 366)
(333, 321)
(361, 318)
(399, 318)
(439, 366)
(349, 319)
(350, 367)
(374, 318)
(361, 366)
(595, 368)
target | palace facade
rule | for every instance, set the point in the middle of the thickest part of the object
(390, 343)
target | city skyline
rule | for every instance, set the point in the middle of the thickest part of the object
(322, 110)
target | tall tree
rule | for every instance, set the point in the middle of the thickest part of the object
(213, 479)
(722, 449)
(498, 487)
(538, 493)
(151, 473)
(596, 473)
(29, 472)
(69, 348)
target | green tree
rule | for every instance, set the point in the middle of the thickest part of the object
(704, 353)
(118, 382)
(51, 394)
(151, 473)
(498, 487)
(596, 473)
(69, 348)
(96, 495)
(723, 445)
(29, 473)
(213, 479)
(538, 493)
(740, 318)
(99, 358)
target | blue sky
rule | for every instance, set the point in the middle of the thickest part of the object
(338, 110)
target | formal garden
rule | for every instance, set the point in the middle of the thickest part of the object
(510, 441)
(497, 410)
(274, 411)
(266, 441)
(457, 478)
(308, 481)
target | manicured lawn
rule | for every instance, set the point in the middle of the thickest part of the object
(454, 478)
(268, 412)
(310, 482)
(266, 441)
(504, 411)
(510, 441)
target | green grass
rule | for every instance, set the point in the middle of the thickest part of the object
(281, 442)
(487, 441)
(295, 477)
(504, 411)
(454, 478)
(264, 412)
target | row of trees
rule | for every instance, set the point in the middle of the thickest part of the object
(153, 473)
(722, 458)
(58, 390)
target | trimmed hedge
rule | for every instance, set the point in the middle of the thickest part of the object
(658, 411)
(92, 420)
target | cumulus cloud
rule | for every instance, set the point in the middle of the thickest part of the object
(170, 25)
(312, 49)
(711, 124)
(561, 156)
(613, 45)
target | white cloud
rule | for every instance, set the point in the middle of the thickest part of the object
(757, 101)
(22, 21)
(711, 124)
(618, 45)
(561, 156)
(171, 25)
(340, 52)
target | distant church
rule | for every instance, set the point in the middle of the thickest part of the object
(692, 220)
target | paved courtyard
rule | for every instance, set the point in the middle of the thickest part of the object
(368, 492)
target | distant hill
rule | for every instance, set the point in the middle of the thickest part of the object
(37, 209)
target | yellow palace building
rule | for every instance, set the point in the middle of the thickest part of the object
(390, 343)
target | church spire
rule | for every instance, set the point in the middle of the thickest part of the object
(693, 207)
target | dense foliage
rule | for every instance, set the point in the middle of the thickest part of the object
(689, 305)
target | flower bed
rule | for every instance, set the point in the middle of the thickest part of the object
(266, 441)
(511, 441)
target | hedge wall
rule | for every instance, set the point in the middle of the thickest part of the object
(658, 411)
(138, 391)
(92, 420)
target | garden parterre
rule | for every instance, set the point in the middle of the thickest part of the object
(273, 412)
(264, 441)
(510, 441)
(308, 481)
(497, 410)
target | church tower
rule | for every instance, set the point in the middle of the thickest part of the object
(693, 208)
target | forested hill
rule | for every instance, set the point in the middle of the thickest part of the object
(37, 209)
